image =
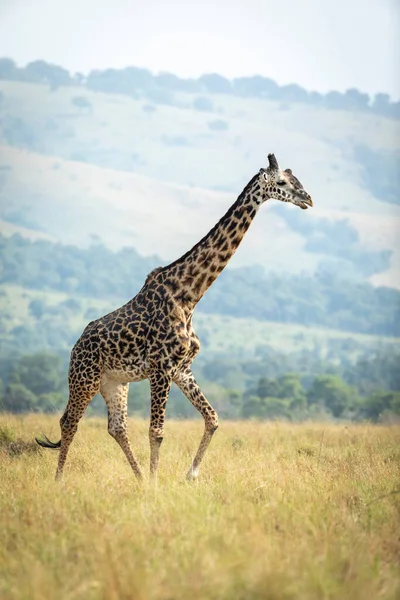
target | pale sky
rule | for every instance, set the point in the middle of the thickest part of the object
(319, 44)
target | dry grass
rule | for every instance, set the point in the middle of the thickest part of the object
(276, 514)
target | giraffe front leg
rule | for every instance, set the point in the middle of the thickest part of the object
(189, 386)
(159, 385)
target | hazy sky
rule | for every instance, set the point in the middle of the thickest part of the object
(320, 44)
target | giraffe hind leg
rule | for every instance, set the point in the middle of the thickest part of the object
(188, 385)
(77, 404)
(84, 376)
(116, 398)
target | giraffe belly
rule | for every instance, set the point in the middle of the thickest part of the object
(128, 373)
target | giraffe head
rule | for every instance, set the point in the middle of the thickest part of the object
(283, 185)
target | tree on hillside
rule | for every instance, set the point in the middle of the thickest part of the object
(283, 397)
(356, 100)
(218, 125)
(290, 387)
(168, 81)
(257, 86)
(316, 98)
(79, 79)
(335, 100)
(381, 104)
(265, 408)
(130, 80)
(173, 83)
(379, 404)
(215, 84)
(18, 132)
(380, 371)
(8, 69)
(141, 79)
(40, 71)
(159, 96)
(267, 388)
(82, 102)
(223, 372)
(293, 93)
(203, 104)
(103, 81)
(18, 398)
(395, 110)
(331, 391)
(41, 373)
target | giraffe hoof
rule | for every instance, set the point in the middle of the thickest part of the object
(192, 475)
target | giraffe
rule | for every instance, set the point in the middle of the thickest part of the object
(152, 336)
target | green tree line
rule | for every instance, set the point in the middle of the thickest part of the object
(38, 383)
(324, 299)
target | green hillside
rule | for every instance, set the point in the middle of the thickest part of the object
(131, 169)
(106, 176)
(77, 163)
(326, 300)
(54, 320)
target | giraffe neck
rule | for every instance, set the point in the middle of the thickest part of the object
(190, 276)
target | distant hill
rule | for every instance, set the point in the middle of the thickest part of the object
(107, 175)
(157, 170)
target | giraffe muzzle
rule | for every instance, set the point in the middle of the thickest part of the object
(305, 201)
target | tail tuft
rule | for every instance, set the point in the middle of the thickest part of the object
(46, 443)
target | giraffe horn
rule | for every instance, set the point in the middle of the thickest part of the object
(273, 163)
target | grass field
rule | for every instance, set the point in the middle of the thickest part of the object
(280, 511)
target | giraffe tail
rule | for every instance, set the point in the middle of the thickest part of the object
(46, 443)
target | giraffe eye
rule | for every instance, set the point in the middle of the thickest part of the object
(280, 183)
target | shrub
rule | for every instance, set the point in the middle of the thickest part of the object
(203, 104)
(218, 125)
(81, 102)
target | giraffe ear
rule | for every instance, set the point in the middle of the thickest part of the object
(273, 163)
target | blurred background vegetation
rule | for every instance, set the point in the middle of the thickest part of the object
(107, 175)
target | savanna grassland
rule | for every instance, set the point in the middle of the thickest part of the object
(280, 511)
